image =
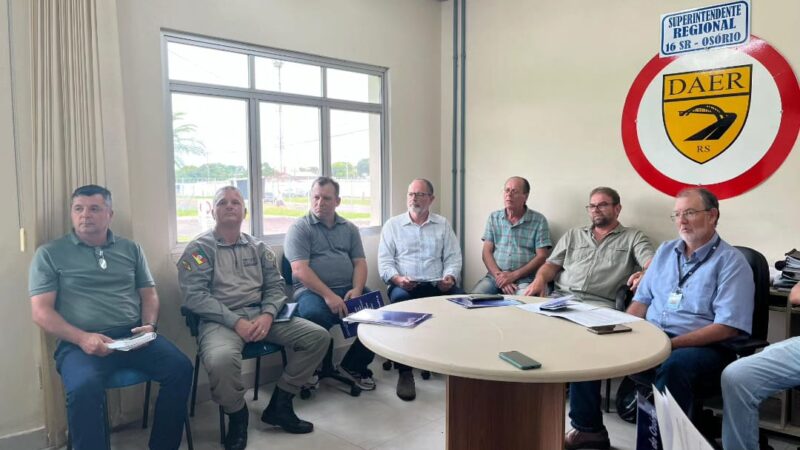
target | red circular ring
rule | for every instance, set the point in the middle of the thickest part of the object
(789, 92)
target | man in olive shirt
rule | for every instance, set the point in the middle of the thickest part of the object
(87, 289)
(230, 280)
(594, 261)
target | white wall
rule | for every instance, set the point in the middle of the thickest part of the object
(546, 82)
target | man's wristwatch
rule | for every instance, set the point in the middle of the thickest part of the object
(152, 324)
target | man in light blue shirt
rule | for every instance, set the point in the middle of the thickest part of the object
(418, 256)
(699, 290)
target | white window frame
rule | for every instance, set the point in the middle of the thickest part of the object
(253, 97)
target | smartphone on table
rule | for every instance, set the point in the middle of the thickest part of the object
(519, 360)
(609, 329)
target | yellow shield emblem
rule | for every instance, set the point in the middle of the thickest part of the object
(704, 111)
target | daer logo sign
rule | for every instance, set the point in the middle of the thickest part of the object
(704, 111)
(725, 119)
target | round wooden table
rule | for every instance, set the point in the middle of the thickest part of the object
(492, 404)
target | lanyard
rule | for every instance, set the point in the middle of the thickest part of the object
(683, 278)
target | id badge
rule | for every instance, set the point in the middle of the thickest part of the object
(674, 300)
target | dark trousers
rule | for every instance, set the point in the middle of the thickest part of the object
(84, 377)
(686, 373)
(398, 294)
(311, 306)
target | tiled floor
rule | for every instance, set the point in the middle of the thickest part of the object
(375, 420)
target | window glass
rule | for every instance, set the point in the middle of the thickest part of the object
(290, 160)
(290, 77)
(210, 151)
(355, 164)
(206, 65)
(354, 86)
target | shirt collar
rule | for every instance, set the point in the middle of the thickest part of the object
(526, 216)
(700, 252)
(110, 239)
(617, 229)
(406, 219)
(315, 220)
(242, 240)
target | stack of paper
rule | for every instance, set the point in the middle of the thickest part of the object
(371, 300)
(394, 318)
(132, 342)
(790, 271)
(584, 314)
(471, 303)
(557, 303)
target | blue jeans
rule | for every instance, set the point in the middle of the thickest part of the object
(84, 375)
(486, 285)
(747, 382)
(687, 372)
(311, 306)
(398, 294)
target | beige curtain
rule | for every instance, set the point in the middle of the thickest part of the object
(67, 140)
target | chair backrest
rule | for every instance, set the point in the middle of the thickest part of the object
(286, 270)
(760, 268)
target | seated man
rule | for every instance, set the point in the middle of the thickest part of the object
(329, 267)
(593, 262)
(230, 280)
(699, 290)
(516, 242)
(87, 289)
(749, 381)
(418, 256)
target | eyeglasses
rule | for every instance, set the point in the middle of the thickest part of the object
(419, 195)
(512, 192)
(101, 260)
(689, 214)
(602, 205)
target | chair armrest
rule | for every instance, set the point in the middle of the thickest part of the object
(744, 345)
(623, 298)
(192, 321)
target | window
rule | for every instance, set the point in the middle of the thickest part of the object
(269, 122)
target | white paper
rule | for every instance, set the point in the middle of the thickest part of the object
(677, 431)
(585, 314)
(131, 343)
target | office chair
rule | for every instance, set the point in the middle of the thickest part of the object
(129, 377)
(742, 346)
(251, 350)
(327, 370)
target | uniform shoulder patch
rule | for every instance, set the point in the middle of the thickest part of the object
(186, 266)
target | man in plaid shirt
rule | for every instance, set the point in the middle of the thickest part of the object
(515, 244)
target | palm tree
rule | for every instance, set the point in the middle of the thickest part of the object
(184, 139)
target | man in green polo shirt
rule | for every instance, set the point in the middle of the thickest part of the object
(595, 261)
(87, 289)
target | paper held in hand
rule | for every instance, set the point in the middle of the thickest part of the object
(132, 342)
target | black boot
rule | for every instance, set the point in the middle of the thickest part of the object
(236, 439)
(280, 413)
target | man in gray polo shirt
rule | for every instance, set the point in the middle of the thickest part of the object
(329, 267)
(594, 261)
(231, 281)
(87, 289)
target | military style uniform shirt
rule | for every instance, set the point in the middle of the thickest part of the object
(720, 290)
(515, 244)
(97, 288)
(595, 271)
(422, 252)
(217, 278)
(329, 251)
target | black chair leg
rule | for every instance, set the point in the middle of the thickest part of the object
(146, 404)
(608, 395)
(188, 430)
(221, 426)
(194, 385)
(255, 383)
